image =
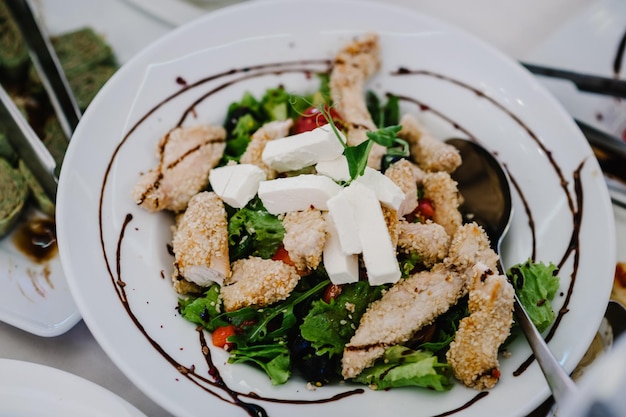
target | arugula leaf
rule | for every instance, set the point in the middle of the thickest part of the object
(329, 326)
(446, 326)
(263, 333)
(383, 114)
(401, 367)
(273, 358)
(253, 231)
(536, 284)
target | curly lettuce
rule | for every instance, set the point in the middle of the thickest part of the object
(536, 285)
(403, 367)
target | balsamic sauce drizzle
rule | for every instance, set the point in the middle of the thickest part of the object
(215, 385)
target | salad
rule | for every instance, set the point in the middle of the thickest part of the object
(320, 235)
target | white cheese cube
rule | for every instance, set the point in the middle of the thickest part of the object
(341, 268)
(337, 168)
(236, 184)
(343, 215)
(387, 192)
(379, 255)
(295, 152)
(283, 195)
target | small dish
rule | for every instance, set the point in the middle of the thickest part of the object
(31, 390)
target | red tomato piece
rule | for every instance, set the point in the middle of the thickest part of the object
(331, 292)
(220, 336)
(426, 209)
(313, 118)
(283, 255)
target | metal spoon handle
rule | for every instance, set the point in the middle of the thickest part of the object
(560, 383)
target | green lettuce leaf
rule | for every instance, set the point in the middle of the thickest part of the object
(273, 358)
(536, 284)
(203, 310)
(402, 367)
(329, 326)
(253, 231)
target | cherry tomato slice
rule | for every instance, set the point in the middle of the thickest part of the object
(313, 118)
(220, 336)
(282, 255)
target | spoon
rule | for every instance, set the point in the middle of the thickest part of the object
(487, 201)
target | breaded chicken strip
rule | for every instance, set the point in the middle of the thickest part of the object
(473, 354)
(429, 240)
(352, 67)
(470, 246)
(403, 175)
(393, 224)
(412, 303)
(442, 190)
(258, 282)
(305, 237)
(200, 242)
(186, 155)
(407, 307)
(269, 131)
(430, 154)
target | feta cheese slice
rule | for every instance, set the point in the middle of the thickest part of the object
(341, 268)
(236, 184)
(305, 149)
(337, 168)
(379, 255)
(283, 195)
(387, 192)
(342, 213)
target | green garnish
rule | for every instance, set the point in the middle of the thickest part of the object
(402, 367)
(536, 285)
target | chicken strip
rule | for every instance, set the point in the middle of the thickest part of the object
(186, 155)
(429, 240)
(413, 303)
(200, 242)
(473, 353)
(269, 131)
(430, 154)
(407, 307)
(305, 237)
(470, 246)
(258, 282)
(403, 175)
(393, 224)
(442, 190)
(352, 67)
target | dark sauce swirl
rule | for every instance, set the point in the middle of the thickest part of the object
(215, 385)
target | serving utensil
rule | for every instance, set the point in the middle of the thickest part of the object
(584, 82)
(47, 65)
(28, 145)
(487, 196)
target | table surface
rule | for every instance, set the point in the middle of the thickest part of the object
(516, 28)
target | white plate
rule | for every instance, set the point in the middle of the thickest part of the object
(34, 296)
(178, 12)
(32, 390)
(118, 267)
